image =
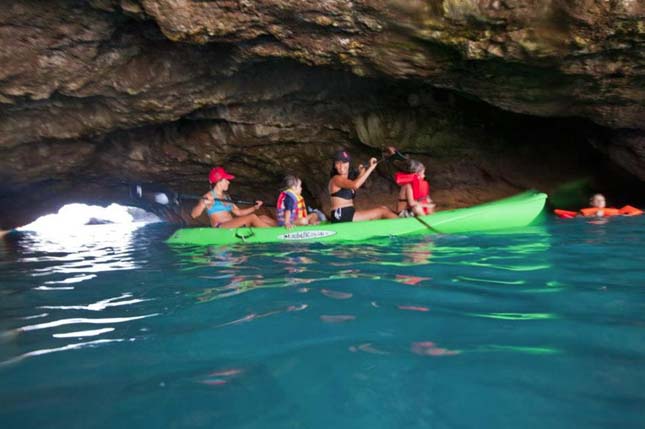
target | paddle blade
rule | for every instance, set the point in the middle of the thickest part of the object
(398, 156)
(161, 198)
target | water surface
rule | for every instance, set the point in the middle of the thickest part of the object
(110, 328)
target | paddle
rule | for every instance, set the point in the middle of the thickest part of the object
(161, 198)
(225, 200)
(392, 154)
(164, 199)
(427, 225)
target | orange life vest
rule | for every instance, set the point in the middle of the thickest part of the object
(301, 207)
(610, 211)
(607, 212)
(565, 214)
(420, 188)
(630, 211)
(593, 211)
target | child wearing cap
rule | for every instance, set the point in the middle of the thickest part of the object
(291, 207)
(221, 211)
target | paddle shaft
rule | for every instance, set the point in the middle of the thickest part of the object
(197, 197)
(164, 200)
(395, 154)
(426, 224)
(388, 157)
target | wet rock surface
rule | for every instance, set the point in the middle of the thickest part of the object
(495, 96)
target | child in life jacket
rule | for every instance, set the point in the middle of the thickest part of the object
(291, 207)
(598, 208)
(414, 196)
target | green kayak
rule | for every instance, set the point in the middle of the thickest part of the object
(517, 211)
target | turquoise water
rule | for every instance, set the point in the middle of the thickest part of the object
(111, 328)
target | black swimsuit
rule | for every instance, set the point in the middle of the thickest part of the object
(343, 214)
(344, 193)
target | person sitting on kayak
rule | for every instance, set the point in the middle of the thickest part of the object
(291, 207)
(222, 213)
(342, 188)
(414, 196)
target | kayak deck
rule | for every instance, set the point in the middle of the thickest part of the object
(514, 212)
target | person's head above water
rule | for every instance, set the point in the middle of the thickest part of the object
(598, 201)
(292, 182)
(217, 175)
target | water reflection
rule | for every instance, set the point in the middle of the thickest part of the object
(240, 269)
(47, 270)
(99, 305)
(74, 346)
(255, 316)
(85, 249)
(399, 275)
(429, 348)
(386, 322)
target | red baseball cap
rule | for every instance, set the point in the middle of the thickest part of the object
(218, 173)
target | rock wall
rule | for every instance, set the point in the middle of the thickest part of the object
(495, 96)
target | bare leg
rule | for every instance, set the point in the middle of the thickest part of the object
(269, 221)
(311, 219)
(418, 211)
(248, 220)
(3, 233)
(376, 213)
(402, 202)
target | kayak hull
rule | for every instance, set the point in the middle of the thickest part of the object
(513, 212)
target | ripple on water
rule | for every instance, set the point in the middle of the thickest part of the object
(322, 333)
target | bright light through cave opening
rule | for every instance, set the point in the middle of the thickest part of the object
(73, 216)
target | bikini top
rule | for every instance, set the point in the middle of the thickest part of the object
(344, 193)
(218, 206)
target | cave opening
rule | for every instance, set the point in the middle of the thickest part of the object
(73, 218)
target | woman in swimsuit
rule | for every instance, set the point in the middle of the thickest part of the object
(342, 189)
(224, 214)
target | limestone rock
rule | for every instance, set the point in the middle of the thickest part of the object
(96, 95)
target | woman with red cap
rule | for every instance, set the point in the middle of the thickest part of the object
(342, 188)
(222, 213)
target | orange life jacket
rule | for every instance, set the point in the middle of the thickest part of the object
(610, 211)
(593, 211)
(301, 207)
(607, 212)
(565, 214)
(630, 211)
(420, 188)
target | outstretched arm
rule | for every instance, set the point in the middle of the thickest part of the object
(243, 212)
(345, 183)
(204, 203)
